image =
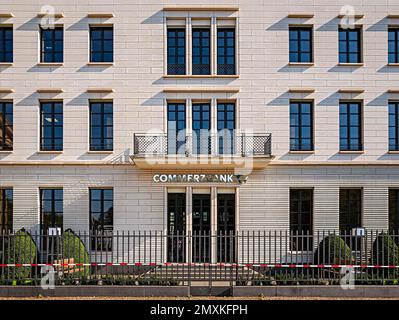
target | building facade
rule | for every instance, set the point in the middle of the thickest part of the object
(211, 118)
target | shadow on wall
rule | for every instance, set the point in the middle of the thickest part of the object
(156, 18)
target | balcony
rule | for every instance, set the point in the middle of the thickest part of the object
(203, 151)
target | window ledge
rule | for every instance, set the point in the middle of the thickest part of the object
(351, 151)
(50, 151)
(100, 152)
(393, 151)
(359, 64)
(50, 64)
(393, 64)
(301, 64)
(6, 151)
(103, 64)
(302, 152)
(186, 76)
(6, 64)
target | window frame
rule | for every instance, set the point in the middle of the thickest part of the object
(3, 54)
(360, 146)
(102, 126)
(300, 114)
(302, 230)
(202, 121)
(224, 30)
(201, 57)
(225, 112)
(395, 126)
(53, 126)
(350, 210)
(394, 29)
(348, 52)
(176, 37)
(299, 52)
(178, 144)
(53, 52)
(3, 210)
(102, 52)
(393, 212)
(54, 212)
(3, 128)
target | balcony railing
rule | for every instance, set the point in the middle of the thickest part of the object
(242, 144)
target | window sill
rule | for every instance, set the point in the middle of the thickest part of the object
(351, 151)
(6, 64)
(301, 64)
(50, 151)
(302, 152)
(6, 151)
(186, 76)
(100, 64)
(359, 64)
(393, 152)
(393, 64)
(50, 64)
(100, 152)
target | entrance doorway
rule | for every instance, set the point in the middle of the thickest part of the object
(226, 205)
(201, 248)
(176, 227)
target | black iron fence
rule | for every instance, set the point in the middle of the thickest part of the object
(224, 143)
(237, 258)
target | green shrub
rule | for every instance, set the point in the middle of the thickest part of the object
(74, 248)
(385, 251)
(20, 250)
(333, 250)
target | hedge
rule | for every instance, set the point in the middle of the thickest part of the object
(74, 248)
(385, 250)
(21, 250)
(333, 250)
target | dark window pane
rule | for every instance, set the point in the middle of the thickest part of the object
(225, 51)
(301, 219)
(51, 119)
(350, 127)
(101, 44)
(301, 126)
(201, 51)
(101, 126)
(300, 43)
(51, 209)
(101, 218)
(52, 45)
(349, 45)
(176, 51)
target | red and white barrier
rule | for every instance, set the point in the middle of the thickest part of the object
(174, 264)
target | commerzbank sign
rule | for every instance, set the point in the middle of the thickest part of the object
(200, 178)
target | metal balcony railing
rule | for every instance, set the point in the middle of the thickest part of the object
(242, 144)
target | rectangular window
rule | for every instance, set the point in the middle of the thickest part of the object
(51, 209)
(6, 126)
(301, 218)
(101, 218)
(226, 51)
(52, 44)
(201, 44)
(51, 119)
(101, 44)
(176, 128)
(301, 126)
(350, 209)
(393, 126)
(201, 128)
(226, 125)
(394, 210)
(393, 45)
(6, 44)
(350, 45)
(176, 51)
(301, 44)
(101, 126)
(350, 123)
(6, 209)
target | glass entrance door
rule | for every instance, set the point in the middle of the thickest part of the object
(176, 227)
(226, 228)
(201, 249)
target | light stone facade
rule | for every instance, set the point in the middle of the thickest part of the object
(137, 78)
